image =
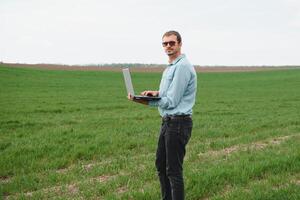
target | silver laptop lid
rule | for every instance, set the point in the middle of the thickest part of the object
(127, 79)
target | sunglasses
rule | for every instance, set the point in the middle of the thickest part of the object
(171, 43)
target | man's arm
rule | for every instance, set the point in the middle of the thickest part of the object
(176, 89)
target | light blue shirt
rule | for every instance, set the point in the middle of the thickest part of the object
(177, 88)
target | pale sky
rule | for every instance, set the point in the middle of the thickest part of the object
(214, 32)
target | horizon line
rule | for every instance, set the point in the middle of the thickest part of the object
(138, 65)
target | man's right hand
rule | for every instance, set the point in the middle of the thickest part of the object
(150, 93)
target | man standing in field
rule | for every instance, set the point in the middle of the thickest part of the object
(178, 92)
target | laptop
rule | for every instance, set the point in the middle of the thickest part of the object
(129, 87)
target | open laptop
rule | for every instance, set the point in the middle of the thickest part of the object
(129, 87)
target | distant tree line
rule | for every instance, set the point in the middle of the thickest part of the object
(122, 65)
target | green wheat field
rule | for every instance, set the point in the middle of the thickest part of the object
(74, 135)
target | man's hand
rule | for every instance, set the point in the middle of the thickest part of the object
(130, 97)
(150, 93)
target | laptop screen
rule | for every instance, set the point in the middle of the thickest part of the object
(127, 79)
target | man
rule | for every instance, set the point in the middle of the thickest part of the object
(177, 91)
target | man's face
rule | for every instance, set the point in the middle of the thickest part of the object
(171, 45)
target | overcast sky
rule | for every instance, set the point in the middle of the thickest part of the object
(215, 32)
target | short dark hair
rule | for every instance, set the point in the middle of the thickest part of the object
(168, 33)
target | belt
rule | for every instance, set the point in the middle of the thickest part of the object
(176, 117)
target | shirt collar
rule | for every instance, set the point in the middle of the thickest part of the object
(177, 59)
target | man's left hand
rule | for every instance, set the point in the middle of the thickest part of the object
(130, 97)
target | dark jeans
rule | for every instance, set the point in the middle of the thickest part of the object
(174, 135)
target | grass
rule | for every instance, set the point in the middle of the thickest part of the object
(73, 135)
